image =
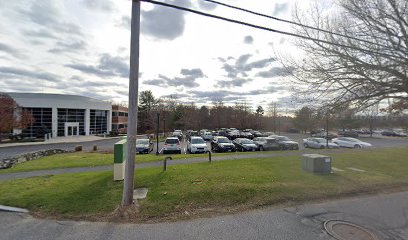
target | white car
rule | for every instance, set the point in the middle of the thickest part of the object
(207, 136)
(318, 143)
(171, 145)
(197, 145)
(349, 142)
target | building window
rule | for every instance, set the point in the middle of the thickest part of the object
(71, 115)
(99, 121)
(42, 122)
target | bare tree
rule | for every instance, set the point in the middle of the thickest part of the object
(361, 58)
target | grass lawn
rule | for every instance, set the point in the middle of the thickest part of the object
(206, 188)
(84, 159)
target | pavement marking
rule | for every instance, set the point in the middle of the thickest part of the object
(337, 169)
(356, 169)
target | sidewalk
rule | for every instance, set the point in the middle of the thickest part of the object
(384, 215)
(56, 140)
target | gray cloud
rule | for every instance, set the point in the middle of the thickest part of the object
(206, 5)
(46, 14)
(124, 22)
(176, 95)
(69, 46)
(11, 50)
(41, 33)
(233, 83)
(108, 66)
(248, 39)
(280, 8)
(102, 5)
(242, 66)
(164, 23)
(276, 72)
(12, 72)
(187, 80)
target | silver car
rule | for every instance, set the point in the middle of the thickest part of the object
(144, 146)
(171, 145)
(197, 145)
(318, 143)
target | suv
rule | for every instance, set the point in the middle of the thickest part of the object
(266, 144)
(178, 134)
(286, 143)
(172, 145)
(197, 145)
(222, 144)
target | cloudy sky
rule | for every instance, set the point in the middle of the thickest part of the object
(82, 47)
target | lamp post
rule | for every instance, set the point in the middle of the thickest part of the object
(157, 134)
(164, 126)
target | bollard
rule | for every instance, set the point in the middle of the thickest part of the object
(165, 163)
(209, 156)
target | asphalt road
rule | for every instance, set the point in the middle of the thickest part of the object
(107, 145)
(384, 215)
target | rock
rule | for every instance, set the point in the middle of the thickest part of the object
(10, 162)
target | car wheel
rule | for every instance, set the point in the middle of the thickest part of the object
(179, 152)
(321, 147)
(357, 146)
(261, 148)
(305, 145)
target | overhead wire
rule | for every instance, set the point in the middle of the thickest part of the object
(288, 21)
(262, 27)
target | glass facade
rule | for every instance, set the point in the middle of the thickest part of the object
(71, 115)
(99, 122)
(42, 122)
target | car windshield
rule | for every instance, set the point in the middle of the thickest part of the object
(261, 139)
(223, 140)
(142, 141)
(284, 139)
(246, 141)
(270, 140)
(172, 141)
(197, 141)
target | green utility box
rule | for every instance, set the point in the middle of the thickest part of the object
(316, 163)
(119, 160)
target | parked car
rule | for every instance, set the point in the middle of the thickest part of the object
(318, 143)
(286, 143)
(247, 135)
(394, 134)
(191, 134)
(207, 136)
(266, 144)
(324, 135)
(352, 134)
(144, 145)
(349, 142)
(178, 134)
(197, 145)
(244, 145)
(172, 145)
(234, 134)
(222, 144)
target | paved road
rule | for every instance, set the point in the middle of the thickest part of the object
(385, 215)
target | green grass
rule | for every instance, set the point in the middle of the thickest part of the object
(83, 159)
(210, 187)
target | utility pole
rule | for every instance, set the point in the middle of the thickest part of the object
(164, 126)
(327, 131)
(127, 198)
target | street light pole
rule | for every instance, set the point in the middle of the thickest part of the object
(327, 131)
(164, 126)
(128, 185)
(157, 134)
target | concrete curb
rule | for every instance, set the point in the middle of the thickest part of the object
(12, 209)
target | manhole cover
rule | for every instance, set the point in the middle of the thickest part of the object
(347, 231)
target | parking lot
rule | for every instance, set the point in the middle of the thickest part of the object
(377, 141)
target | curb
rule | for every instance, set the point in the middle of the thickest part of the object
(12, 209)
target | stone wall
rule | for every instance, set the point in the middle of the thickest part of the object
(10, 162)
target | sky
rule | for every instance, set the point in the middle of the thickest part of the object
(82, 47)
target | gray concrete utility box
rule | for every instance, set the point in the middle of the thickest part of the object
(316, 163)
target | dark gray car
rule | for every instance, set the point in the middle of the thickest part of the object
(144, 146)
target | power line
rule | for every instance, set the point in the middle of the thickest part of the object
(288, 21)
(261, 27)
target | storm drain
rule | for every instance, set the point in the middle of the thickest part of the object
(343, 230)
